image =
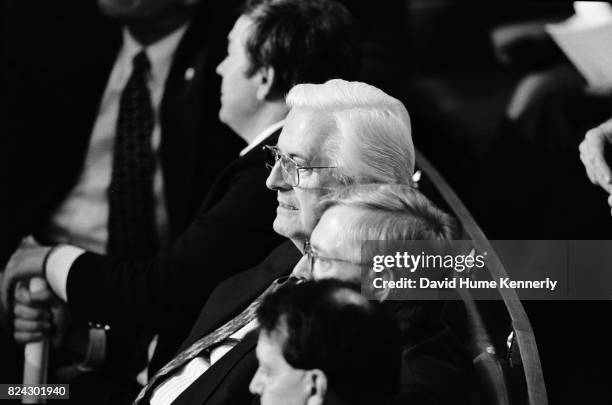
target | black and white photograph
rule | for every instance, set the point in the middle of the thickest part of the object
(305, 202)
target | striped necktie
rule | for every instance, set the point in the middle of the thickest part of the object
(212, 339)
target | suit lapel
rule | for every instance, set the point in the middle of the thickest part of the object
(257, 153)
(180, 132)
(229, 299)
(255, 156)
(236, 293)
(194, 150)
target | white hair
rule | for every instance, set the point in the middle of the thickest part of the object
(372, 140)
(392, 212)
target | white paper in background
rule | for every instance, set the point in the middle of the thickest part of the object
(586, 39)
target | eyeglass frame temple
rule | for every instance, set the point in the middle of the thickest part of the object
(298, 167)
(274, 149)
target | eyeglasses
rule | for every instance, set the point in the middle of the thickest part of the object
(290, 169)
(323, 263)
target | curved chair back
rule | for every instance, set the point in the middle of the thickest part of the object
(485, 359)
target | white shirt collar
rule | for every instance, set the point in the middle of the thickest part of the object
(159, 53)
(262, 135)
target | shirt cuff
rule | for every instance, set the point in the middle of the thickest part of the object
(58, 267)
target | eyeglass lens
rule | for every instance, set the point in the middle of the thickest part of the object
(289, 168)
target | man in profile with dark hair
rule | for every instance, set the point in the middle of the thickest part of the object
(321, 342)
(305, 42)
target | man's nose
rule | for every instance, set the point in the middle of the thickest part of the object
(275, 180)
(302, 269)
(219, 68)
(255, 384)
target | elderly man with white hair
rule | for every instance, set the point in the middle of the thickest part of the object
(337, 133)
(435, 367)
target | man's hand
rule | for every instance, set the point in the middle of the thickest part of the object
(592, 155)
(33, 317)
(39, 315)
(25, 263)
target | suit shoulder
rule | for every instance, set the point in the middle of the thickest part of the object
(278, 263)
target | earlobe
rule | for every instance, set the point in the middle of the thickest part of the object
(384, 294)
(265, 83)
(318, 387)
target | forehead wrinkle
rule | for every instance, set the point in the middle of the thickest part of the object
(326, 221)
(315, 128)
(282, 150)
(344, 241)
(327, 129)
(352, 217)
(314, 246)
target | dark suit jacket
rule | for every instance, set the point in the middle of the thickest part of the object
(435, 368)
(55, 70)
(232, 232)
(56, 61)
(227, 381)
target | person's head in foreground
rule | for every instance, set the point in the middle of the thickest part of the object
(336, 134)
(276, 44)
(321, 342)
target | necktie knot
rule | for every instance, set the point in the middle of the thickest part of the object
(141, 63)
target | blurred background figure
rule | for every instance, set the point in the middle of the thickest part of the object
(112, 115)
(321, 342)
(501, 110)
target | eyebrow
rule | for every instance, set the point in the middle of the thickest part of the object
(316, 248)
(295, 155)
(291, 155)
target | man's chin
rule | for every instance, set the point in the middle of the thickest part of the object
(279, 229)
(286, 230)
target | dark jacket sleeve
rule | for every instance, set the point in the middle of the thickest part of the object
(232, 235)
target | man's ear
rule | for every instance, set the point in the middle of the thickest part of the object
(316, 383)
(378, 293)
(266, 80)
